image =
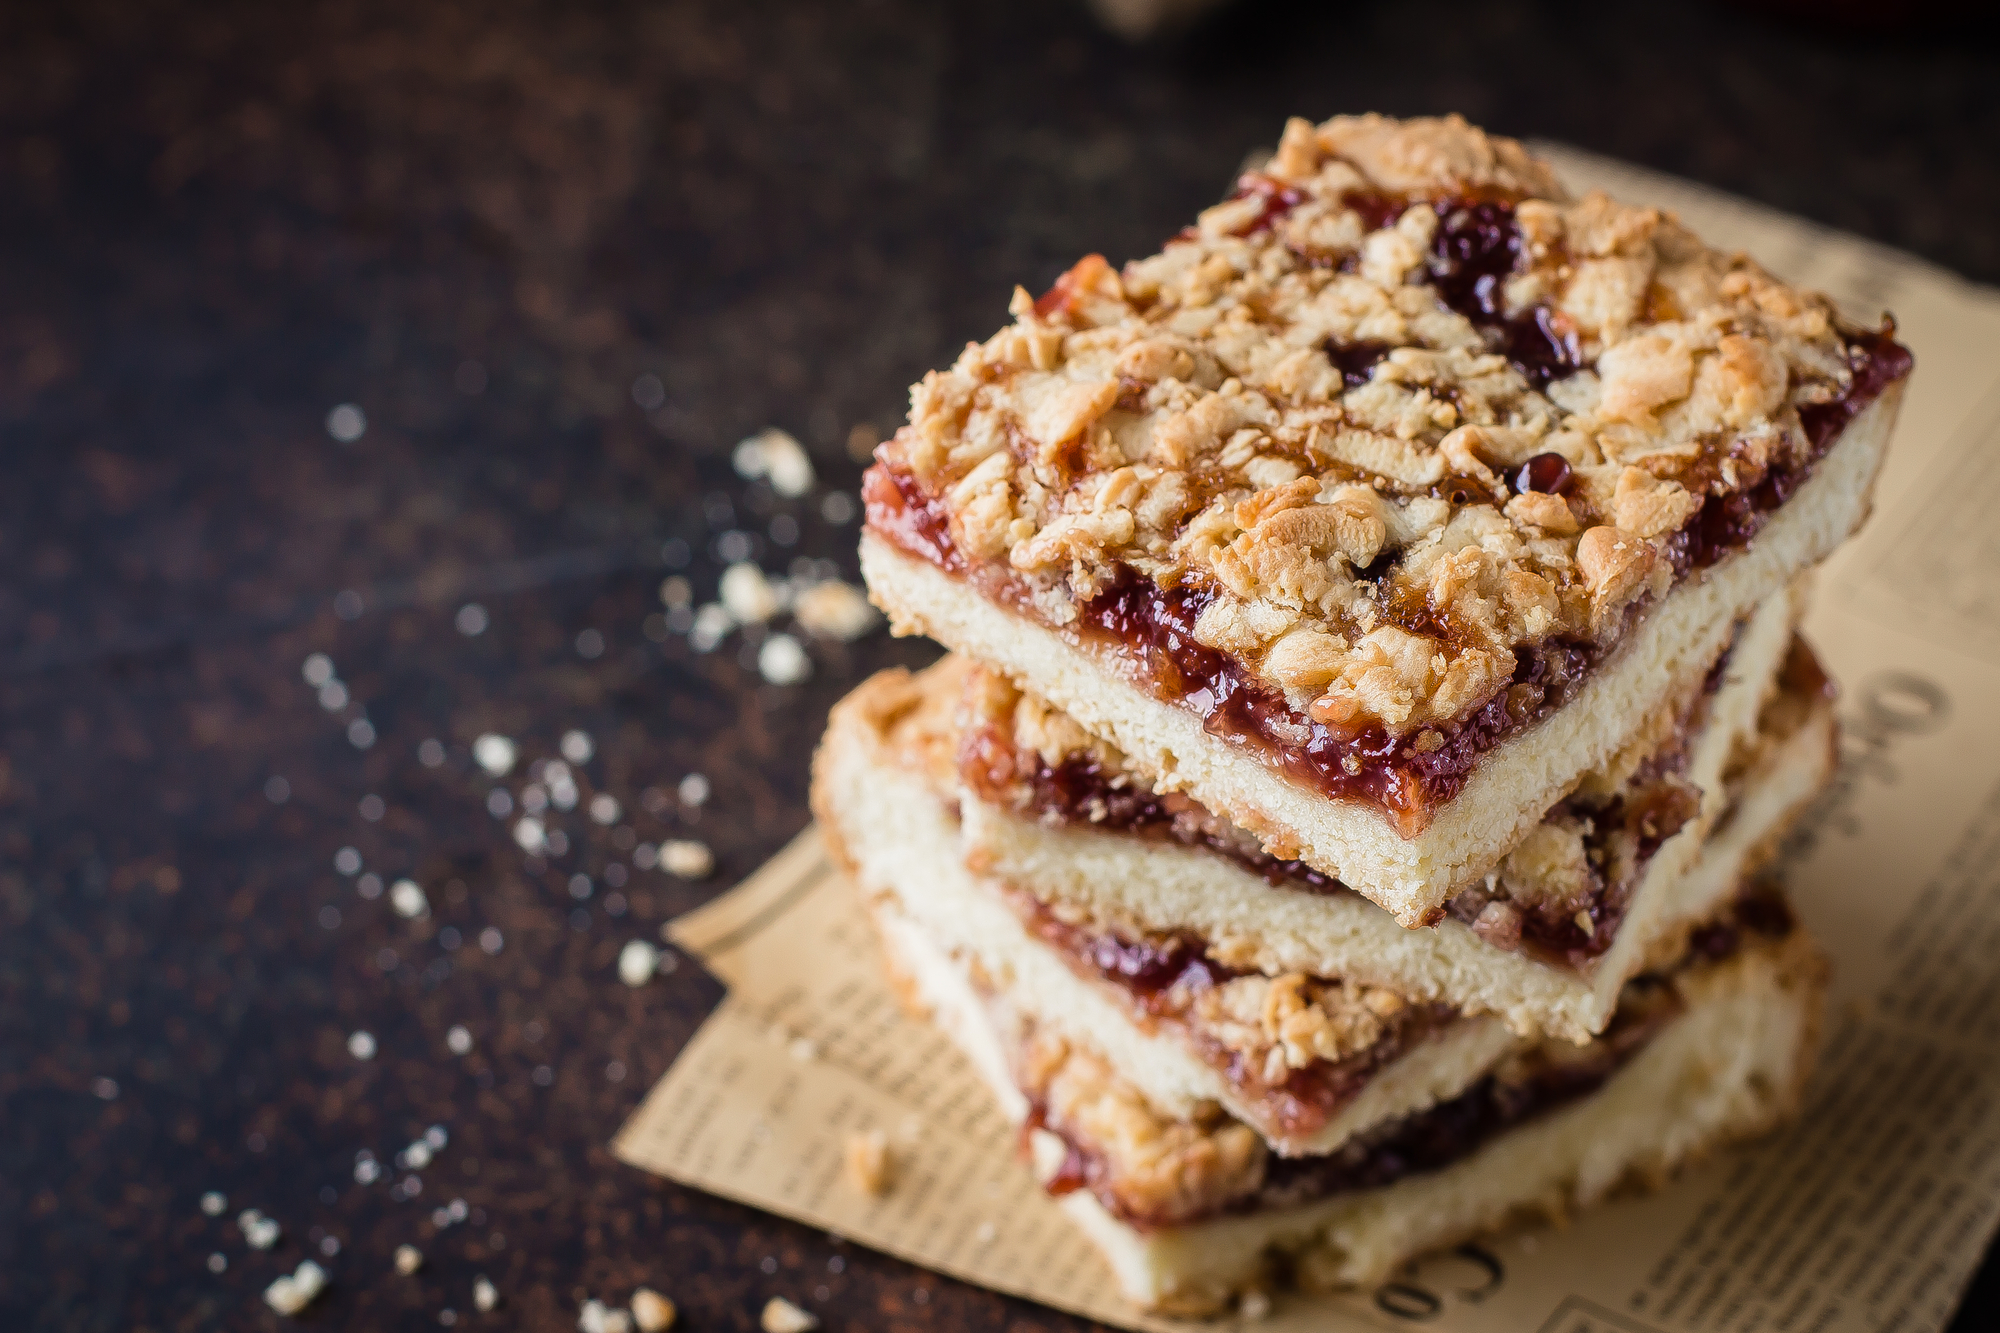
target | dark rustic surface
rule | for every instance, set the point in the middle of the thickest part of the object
(222, 219)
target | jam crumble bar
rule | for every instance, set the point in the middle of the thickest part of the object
(1395, 456)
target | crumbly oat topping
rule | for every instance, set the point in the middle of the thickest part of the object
(1165, 1168)
(1393, 468)
(1278, 1024)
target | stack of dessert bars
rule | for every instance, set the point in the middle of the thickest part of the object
(1343, 824)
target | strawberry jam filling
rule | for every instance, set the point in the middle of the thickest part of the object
(1518, 1091)
(1163, 979)
(1079, 791)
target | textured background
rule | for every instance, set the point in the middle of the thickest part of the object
(219, 220)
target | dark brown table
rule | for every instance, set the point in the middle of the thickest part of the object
(563, 258)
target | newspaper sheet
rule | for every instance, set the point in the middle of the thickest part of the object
(1869, 1215)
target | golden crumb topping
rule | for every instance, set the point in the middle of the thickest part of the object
(1401, 404)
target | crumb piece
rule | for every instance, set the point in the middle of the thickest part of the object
(485, 1296)
(652, 1312)
(747, 595)
(1254, 1305)
(361, 1045)
(868, 1162)
(688, 860)
(214, 1203)
(294, 1291)
(781, 1316)
(637, 962)
(777, 457)
(597, 1317)
(407, 897)
(408, 1259)
(836, 610)
(493, 753)
(577, 747)
(711, 626)
(260, 1231)
(782, 661)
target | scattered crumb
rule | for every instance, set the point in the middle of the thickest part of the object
(711, 626)
(485, 1296)
(1254, 1305)
(407, 897)
(214, 1203)
(597, 1317)
(777, 457)
(747, 595)
(493, 753)
(636, 962)
(689, 860)
(458, 1041)
(577, 747)
(652, 1312)
(408, 1259)
(260, 1231)
(781, 1316)
(361, 1045)
(782, 661)
(836, 610)
(868, 1162)
(294, 1291)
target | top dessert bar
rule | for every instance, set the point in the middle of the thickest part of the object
(1389, 498)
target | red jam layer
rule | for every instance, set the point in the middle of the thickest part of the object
(1080, 792)
(1426, 1141)
(1160, 977)
(1453, 1130)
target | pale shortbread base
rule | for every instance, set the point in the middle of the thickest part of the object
(901, 843)
(1730, 1067)
(1163, 887)
(1514, 784)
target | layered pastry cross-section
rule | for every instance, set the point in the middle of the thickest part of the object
(1388, 501)
(1607, 886)
(1309, 1062)
(1191, 1210)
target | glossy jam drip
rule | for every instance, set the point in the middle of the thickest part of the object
(1474, 249)
(898, 509)
(1356, 362)
(1548, 474)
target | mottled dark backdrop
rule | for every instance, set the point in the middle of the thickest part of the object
(485, 224)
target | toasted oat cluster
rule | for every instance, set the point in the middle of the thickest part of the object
(1402, 404)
